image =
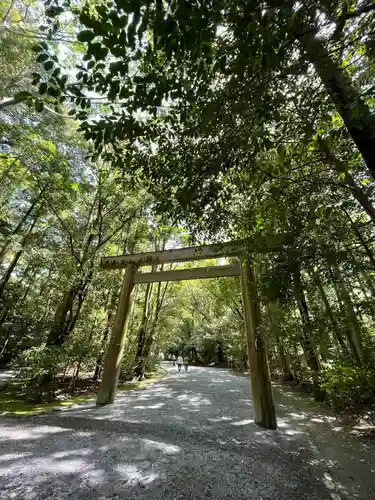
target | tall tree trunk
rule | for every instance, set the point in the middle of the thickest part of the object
(57, 331)
(356, 115)
(327, 305)
(20, 224)
(361, 239)
(9, 271)
(354, 331)
(16, 257)
(284, 364)
(18, 304)
(365, 289)
(81, 295)
(307, 335)
(65, 319)
(142, 333)
(340, 168)
(287, 374)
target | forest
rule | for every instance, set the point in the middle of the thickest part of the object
(133, 126)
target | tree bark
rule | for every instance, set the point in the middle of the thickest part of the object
(143, 333)
(56, 336)
(355, 333)
(307, 337)
(356, 115)
(361, 239)
(287, 374)
(16, 258)
(284, 364)
(327, 305)
(340, 168)
(18, 228)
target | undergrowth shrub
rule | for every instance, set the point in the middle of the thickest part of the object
(349, 386)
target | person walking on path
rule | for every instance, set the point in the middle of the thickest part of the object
(186, 364)
(179, 362)
(174, 359)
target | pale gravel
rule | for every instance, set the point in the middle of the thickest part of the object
(189, 436)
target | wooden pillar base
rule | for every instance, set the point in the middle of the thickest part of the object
(112, 363)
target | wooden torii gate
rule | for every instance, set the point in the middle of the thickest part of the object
(263, 403)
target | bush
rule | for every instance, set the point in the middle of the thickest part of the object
(349, 386)
(38, 368)
(37, 362)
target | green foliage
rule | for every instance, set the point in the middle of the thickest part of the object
(349, 387)
(39, 362)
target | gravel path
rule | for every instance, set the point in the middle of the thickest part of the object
(190, 436)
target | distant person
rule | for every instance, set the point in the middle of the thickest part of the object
(186, 364)
(174, 360)
(179, 362)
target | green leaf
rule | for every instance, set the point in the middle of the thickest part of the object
(36, 78)
(98, 51)
(39, 106)
(85, 36)
(48, 65)
(43, 88)
(63, 81)
(42, 58)
(37, 48)
(54, 11)
(53, 91)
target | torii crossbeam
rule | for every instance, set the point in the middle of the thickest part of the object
(264, 408)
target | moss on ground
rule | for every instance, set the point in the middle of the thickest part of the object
(12, 399)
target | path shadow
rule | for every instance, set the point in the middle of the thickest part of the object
(190, 436)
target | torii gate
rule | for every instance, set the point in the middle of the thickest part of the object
(263, 403)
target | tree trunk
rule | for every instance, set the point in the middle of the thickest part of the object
(287, 374)
(327, 305)
(9, 271)
(365, 289)
(56, 336)
(284, 364)
(150, 333)
(16, 258)
(340, 168)
(65, 319)
(264, 407)
(20, 224)
(361, 239)
(143, 333)
(81, 294)
(307, 336)
(355, 333)
(356, 115)
(75, 377)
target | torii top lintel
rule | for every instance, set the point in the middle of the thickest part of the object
(216, 250)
